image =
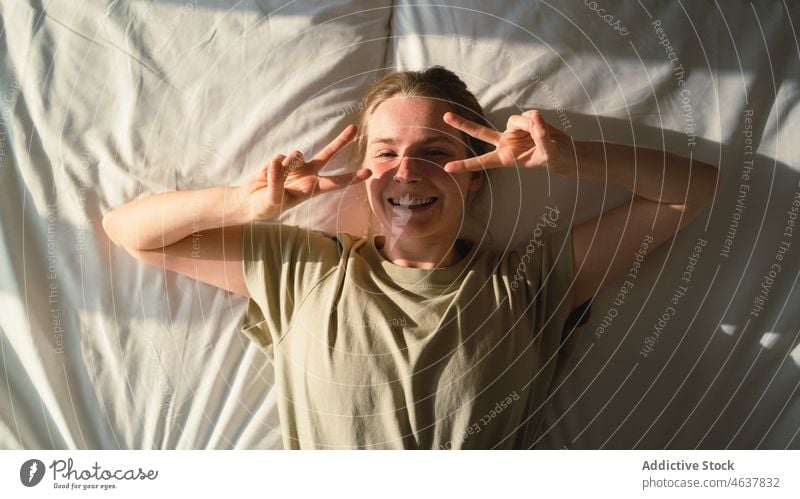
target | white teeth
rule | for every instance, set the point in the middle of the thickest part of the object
(405, 200)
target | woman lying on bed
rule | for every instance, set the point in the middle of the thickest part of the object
(413, 337)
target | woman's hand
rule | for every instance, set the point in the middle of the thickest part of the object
(527, 142)
(286, 181)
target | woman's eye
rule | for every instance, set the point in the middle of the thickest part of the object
(385, 155)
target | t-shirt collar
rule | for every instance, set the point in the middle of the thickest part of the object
(440, 276)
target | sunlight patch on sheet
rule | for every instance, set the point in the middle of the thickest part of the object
(769, 339)
(795, 355)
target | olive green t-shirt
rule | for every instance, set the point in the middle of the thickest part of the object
(370, 354)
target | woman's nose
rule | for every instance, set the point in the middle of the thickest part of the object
(408, 170)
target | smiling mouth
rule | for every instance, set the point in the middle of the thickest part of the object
(407, 202)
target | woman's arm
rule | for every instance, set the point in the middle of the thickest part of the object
(195, 233)
(159, 220)
(198, 233)
(669, 191)
(654, 175)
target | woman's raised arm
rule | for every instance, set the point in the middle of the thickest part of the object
(195, 233)
(198, 233)
(669, 190)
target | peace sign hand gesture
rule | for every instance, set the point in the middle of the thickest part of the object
(527, 142)
(286, 181)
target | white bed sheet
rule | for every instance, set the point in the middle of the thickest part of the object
(127, 99)
(102, 103)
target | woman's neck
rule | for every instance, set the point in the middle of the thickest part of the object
(420, 254)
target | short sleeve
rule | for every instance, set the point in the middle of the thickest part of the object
(281, 264)
(554, 286)
(558, 259)
(543, 272)
(543, 268)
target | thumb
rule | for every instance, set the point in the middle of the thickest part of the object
(541, 135)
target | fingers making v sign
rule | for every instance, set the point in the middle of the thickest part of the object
(527, 142)
(288, 180)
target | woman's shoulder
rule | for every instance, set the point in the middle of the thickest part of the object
(294, 230)
(530, 253)
(302, 243)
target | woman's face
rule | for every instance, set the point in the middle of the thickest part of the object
(408, 145)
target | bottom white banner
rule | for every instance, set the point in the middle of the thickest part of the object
(390, 474)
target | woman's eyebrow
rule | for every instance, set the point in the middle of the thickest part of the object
(425, 141)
